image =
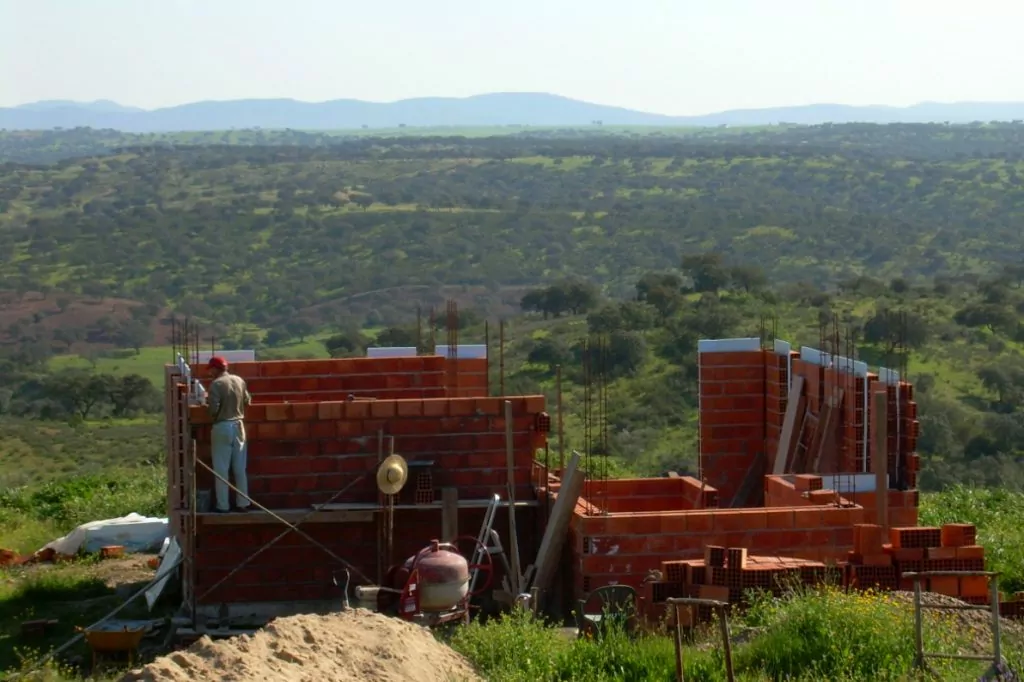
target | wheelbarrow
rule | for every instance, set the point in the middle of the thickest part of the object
(111, 641)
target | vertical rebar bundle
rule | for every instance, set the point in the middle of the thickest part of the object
(452, 322)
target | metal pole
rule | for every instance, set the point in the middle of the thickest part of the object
(487, 350)
(679, 646)
(516, 579)
(501, 357)
(723, 624)
(561, 419)
(918, 627)
(997, 635)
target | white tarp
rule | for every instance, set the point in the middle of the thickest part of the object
(136, 533)
(169, 554)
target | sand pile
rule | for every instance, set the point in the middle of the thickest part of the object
(356, 645)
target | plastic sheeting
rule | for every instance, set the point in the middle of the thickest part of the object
(136, 533)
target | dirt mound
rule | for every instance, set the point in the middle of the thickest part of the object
(973, 623)
(356, 646)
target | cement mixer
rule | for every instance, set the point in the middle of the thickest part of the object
(432, 586)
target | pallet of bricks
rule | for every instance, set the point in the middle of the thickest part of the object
(725, 574)
(876, 564)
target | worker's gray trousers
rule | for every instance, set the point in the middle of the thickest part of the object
(229, 452)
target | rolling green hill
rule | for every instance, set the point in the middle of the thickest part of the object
(262, 234)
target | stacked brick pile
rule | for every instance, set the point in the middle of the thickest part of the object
(725, 574)
(873, 563)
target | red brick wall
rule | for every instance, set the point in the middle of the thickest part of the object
(425, 376)
(732, 417)
(303, 453)
(295, 569)
(621, 548)
(652, 494)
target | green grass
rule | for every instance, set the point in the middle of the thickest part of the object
(149, 362)
(999, 517)
(819, 634)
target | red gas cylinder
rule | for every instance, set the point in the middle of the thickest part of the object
(443, 576)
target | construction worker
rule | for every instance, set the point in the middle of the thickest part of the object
(228, 398)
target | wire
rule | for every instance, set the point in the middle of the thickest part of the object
(290, 529)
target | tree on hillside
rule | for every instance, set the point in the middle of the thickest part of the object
(567, 296)
(991, 316)
(132, 393)
(79, 392)
(346, 344)
(748, 277)
(626, 352)
(133, 334)
(363, 201)
(551, 352)
(711, 319)
(300, 327)
(69, 336)
(1005, 381)
(707, 271)
(661, 290)
(889, 327)
(396, 337)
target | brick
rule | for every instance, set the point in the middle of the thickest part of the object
(280, 412)
(700, 522)
(970, 552)
(976, 586)
(732, 359)
(958, 534)
(779, 519)
(807, 482)
(713, 592)
(305, 411)
(807, 518)
(907, 553)
(744, 520)
(358, 409)
(940, 553)
(949, 586)
(822, 497)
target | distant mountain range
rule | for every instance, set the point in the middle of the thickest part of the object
(497, 109)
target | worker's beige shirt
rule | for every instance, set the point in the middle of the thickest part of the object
(229, 396)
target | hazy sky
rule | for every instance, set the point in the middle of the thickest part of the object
(666, 56)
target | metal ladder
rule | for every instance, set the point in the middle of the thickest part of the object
(999, 670)
(484, 538)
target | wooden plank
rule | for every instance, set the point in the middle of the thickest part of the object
(795, 407)
(880, 458)
(753, 483)
(800, 453)
(556, 532)
(516, 579)
(449, 514)
(824, 425)
(292, 516)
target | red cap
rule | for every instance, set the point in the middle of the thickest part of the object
(217, 362)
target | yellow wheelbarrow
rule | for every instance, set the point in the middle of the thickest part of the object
(109, 642)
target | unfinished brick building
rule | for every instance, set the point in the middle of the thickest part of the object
(317, 430)
(798, 450)
(788, 455)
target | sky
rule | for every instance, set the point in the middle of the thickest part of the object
(678, 57)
